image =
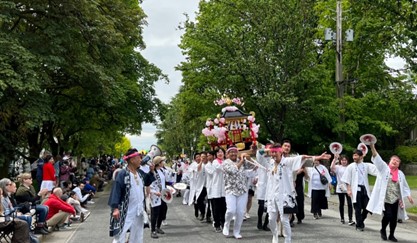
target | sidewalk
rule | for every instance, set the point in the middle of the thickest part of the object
(65, 235)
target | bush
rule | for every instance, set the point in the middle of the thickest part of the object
(408, 154)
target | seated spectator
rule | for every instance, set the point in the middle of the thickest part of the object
(20, 227)
(98, 181)
(26, 194)
(8, 188)
(74, 201)
(89, 187)
(82, 195)
(59, 211)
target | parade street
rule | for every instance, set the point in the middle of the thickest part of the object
(183, 227)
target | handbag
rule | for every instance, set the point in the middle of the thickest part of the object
(323, 179)
(290, 205)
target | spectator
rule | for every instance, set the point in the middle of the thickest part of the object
(20, 228)
(74, 201)
(64, 172)
(26, 194)
(83, 198)
(59, 211)
(48, 176)
(88, 187)
(8, 188)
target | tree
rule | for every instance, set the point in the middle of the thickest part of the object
(87, 77)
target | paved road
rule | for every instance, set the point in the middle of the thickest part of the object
(184, 228)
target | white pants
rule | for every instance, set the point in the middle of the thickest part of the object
(236, 206)
(135, 224)
(285, 221)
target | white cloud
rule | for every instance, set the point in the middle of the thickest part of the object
(162, 37)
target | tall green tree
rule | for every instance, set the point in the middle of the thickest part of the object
(75, 70)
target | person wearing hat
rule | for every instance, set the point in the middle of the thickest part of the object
(127, 200)
(356, 179)
(158, 206)
(236, 188)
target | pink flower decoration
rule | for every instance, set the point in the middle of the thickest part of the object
(222, 120)
(216, 121)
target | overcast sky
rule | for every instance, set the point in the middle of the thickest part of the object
(162, 37)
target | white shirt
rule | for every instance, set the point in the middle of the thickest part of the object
(215, 169)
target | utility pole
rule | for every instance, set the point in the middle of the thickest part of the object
(330, 35)
(340, 86)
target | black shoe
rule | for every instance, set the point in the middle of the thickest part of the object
(383, 234)
(351, 223)
(266, 228)
(259, 226)
(392, 238)
(159, 231)
(56, 228)
(218, 230)
(400, 221)
(41, 231)
(208, 220)
(292, 224)
(359, 228)
(154, 235)
(299, 222)
(202, 218)
(342, 221)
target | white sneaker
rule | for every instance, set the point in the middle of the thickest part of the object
(247, 216)
(90, 202)
(164, 222)
(226, 229)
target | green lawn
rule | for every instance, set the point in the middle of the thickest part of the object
(412, 210)
(412, 181)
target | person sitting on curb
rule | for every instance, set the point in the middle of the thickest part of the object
(59, 210)
(83, 198)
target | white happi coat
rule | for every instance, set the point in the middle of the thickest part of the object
(311, 170)
(209, 180)
(215, 169)
(377, 199)
(197, 181)
(192, 174)
(263, 175)
(351, 177)
(282, 184)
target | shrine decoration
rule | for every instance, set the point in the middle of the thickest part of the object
(232, 126)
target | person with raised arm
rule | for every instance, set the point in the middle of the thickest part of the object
(390, 190)
(280, 188)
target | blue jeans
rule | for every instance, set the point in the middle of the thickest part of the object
(41, 213)
(26, 218)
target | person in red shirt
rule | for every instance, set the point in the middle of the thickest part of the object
(59, 210)
(48, 178)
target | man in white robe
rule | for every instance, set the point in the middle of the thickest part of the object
(356, 179)
(281, 191)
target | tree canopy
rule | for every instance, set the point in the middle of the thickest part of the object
(72, 75)
(274, 55)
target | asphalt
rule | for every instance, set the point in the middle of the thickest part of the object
(185, 226)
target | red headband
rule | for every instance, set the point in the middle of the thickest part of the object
(131, 155)
(277, 150)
